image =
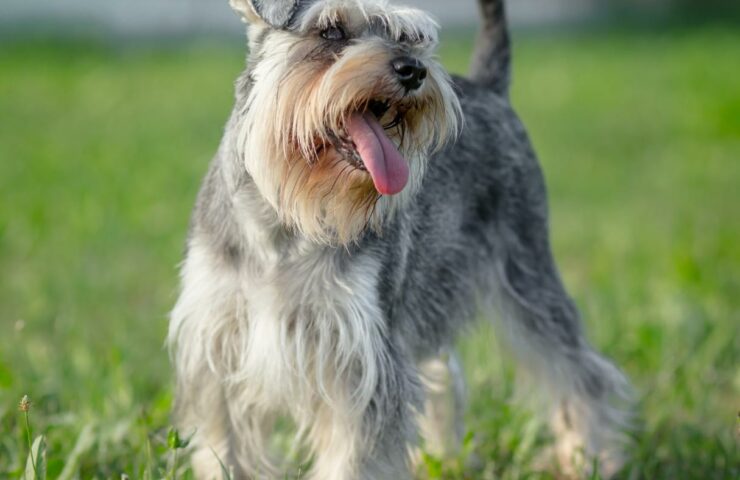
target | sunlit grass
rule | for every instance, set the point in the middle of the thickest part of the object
(101, 152)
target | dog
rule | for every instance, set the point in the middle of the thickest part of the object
(363, 206)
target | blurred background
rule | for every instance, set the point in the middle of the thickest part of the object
(110, 111)
(161, 18)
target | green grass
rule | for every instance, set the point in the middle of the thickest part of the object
(101, 152)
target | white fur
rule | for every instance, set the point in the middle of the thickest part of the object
(289, 335)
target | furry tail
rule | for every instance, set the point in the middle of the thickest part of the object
(492, 57)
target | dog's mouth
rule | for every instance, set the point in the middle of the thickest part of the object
(364, 143)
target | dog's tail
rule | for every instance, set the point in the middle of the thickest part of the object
(492, 57)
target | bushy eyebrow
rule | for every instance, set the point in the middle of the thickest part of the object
(318, 16)
(380, 26)
(395, 23)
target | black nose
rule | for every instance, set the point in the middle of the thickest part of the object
(411, 72)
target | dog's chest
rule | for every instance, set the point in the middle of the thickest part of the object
(313, 324)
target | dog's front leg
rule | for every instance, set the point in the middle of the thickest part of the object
(375, 443)
(206, 312)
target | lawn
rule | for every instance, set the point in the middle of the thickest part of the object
(101, 151)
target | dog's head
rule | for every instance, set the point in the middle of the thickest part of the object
(342, 103)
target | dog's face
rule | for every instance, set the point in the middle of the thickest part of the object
(343, 101)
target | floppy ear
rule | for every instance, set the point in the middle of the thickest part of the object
(275, 13)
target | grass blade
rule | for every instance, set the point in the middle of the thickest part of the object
(36, 462)
(85, 440)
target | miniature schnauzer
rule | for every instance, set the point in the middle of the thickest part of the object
(362, 207)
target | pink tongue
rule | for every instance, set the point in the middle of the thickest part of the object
(382, 159)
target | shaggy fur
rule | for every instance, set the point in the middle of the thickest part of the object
(308, 295)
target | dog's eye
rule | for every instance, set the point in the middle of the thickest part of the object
(334, 33)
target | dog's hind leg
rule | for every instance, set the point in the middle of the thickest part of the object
(585, 392)
(441, 424)
(588, 396)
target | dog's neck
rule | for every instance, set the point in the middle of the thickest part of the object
(264, 239)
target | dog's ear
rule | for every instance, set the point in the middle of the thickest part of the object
(275, 13)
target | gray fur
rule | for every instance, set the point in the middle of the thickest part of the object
(477, 229)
